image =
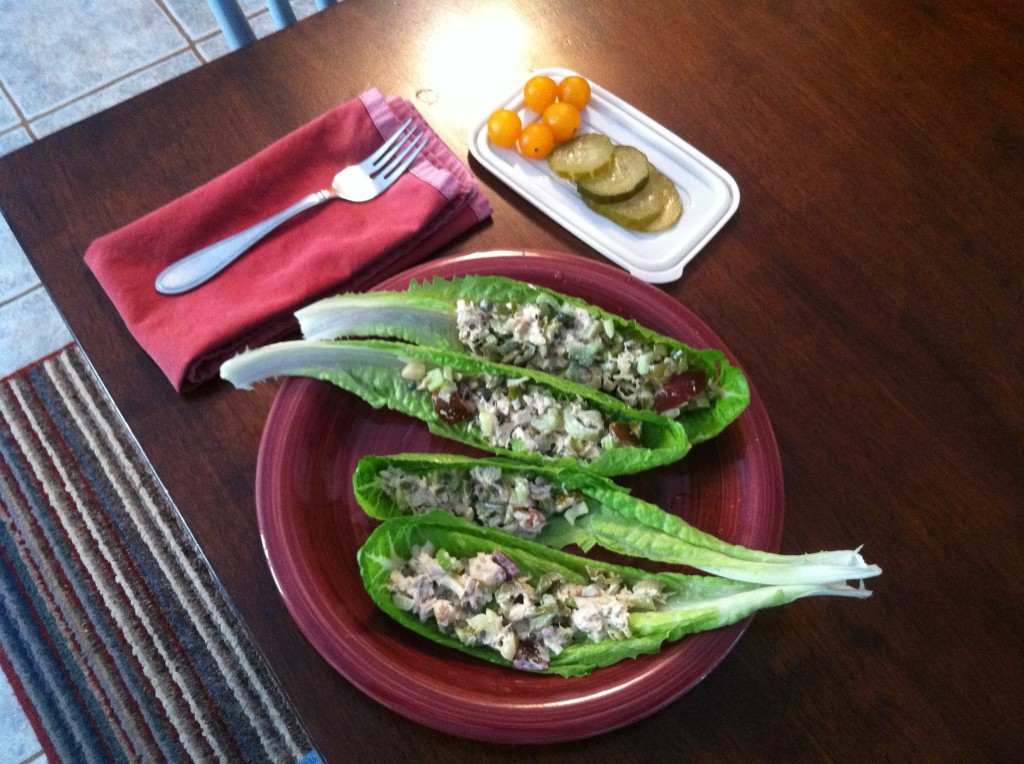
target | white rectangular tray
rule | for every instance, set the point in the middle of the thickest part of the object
(710, 195)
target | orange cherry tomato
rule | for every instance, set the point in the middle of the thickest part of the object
(574, 90)
(504, 127)
(563, 119)
(539, 93)
(536, 140)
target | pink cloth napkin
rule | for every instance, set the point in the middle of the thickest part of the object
(337, 247)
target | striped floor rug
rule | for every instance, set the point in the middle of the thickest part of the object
(116, 636)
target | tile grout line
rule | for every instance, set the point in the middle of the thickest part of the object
(193, 43)
(22, 119)
(24, 293)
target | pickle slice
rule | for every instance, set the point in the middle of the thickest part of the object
(643, 208)
(671, 212)
(625, 175)
(582, 157)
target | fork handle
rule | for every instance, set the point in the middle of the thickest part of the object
(199, 267)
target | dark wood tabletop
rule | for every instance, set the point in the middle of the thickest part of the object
(870, 285)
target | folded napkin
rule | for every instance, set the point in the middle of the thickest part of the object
(338, 246)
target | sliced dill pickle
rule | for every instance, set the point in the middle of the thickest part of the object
(582, 157)
(625, 175)
(673, 209)
(642, 208)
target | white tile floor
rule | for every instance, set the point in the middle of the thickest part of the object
(59, 63)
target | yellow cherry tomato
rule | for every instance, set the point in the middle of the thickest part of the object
(574, 90)
(536, 140)
(563, 119)
(539, 93)
(504, 127)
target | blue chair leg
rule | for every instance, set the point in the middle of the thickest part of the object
(232, 21)
(282, 13)
(321, 4)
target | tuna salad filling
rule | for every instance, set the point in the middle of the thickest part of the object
(518, 415)
(567, 340)
(520, 503)
(484, 601)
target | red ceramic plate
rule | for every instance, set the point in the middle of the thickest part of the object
(312, 528)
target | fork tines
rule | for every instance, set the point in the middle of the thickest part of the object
(407, 152)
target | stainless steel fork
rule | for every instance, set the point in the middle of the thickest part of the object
(356, 183)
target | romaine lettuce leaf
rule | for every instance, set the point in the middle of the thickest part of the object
(372, 369)
(693, 603)
(425, 315)
(619, 522)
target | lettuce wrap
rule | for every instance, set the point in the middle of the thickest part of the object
(509, 321)
(523, 605)
(559, 507)
(503, 409)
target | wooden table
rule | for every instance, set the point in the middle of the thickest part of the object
(870, 284)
